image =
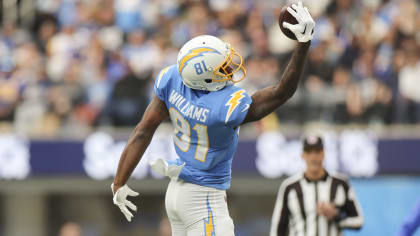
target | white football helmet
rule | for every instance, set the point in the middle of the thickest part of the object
(207, 63)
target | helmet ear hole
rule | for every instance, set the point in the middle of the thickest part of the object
(208, 81)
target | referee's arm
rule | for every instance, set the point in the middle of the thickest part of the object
(350, 214)
(280, 219)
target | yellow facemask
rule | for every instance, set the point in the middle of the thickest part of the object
(229, 67)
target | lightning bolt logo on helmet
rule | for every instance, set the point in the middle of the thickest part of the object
(194, 53)
(233, 102)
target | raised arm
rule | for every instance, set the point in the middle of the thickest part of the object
(139, 140)
(268, 99)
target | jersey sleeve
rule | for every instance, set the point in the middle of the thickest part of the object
(161, 83)
(235, 107)
(352, 217)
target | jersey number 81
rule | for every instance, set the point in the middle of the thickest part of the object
(184, 140)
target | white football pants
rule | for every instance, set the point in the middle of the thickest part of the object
(195, 210)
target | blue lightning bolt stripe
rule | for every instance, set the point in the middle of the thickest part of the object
(208, 223)
(193, 53)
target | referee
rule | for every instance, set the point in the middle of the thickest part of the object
(315, 203)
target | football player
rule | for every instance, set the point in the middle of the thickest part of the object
(206, 109)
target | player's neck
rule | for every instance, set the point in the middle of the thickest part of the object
(315, 175)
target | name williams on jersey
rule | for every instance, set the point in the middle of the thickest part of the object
(187, 108)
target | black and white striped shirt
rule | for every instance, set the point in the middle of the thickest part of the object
(295, 210)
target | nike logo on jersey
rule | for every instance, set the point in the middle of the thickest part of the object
(233, 102)
(246, 107)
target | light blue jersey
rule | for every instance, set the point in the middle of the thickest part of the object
(206, 127)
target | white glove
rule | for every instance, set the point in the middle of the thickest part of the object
(120, 199)
(303, 30)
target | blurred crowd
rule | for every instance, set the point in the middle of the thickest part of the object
(78, 64)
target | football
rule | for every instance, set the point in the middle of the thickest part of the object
(285, 16)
